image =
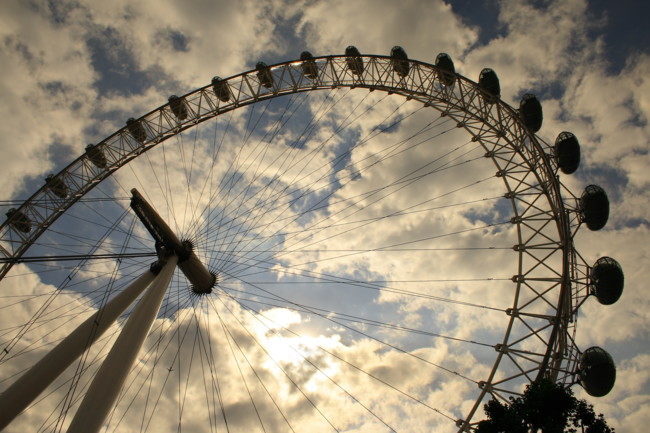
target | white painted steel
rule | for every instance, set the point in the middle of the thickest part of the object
(106, 385)
(31, 384)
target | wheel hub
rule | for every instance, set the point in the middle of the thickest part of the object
(202, 281)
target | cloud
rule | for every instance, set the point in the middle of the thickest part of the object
(330, 27)
(75, 72)
(522, 63)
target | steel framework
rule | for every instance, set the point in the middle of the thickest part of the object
(551, 281)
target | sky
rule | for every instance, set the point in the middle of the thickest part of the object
(73, 72)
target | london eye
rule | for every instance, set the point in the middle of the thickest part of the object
(285, 242)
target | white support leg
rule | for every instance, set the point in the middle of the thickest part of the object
(108, 381)
(30, 385)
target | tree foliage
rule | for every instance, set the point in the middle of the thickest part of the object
(544, 407)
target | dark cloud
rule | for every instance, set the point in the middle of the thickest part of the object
(115, 64)
(60, 10)
(15, 45)
(117, 67)
(620, 29)
(482, 15)
(177, 40)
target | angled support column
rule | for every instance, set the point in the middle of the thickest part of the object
(108, 381)
(32, 383)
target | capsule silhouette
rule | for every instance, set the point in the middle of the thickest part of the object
(594, 207)
(607, 280)
(178, 107)
(447, 74)
(220, 88)
(19, 221)
(567, 152)
(400, 61)
(264, 75)
(136, 129)
(530, 111)
(488, 82)
(308, 65)
(597, 371)
(57, 186)
(96, 156)
(354, 60)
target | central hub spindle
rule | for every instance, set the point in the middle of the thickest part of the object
(200, 278)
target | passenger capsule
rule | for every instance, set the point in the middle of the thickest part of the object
(96, 156)
(136, 129)
(354, 60)
(178, 107)
(489, 84)
(447, 69)
(530, 111)
(57, 186)
(308, 65)
(19, 220)
(264, 75)
(594, 207)
(607, 280)
(567, 152)
(400, 61)
(597, 372)
(220, 88)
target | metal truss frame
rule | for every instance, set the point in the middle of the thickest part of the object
(552, 279)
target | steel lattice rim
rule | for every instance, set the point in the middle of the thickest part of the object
(522, 159)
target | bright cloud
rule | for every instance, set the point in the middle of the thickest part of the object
(307, 337)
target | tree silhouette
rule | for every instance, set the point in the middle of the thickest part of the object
(544, 407)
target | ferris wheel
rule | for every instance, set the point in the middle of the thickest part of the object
(350, 242)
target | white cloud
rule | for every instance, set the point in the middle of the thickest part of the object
(46, 84)
(419, 27)
(50, 94)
